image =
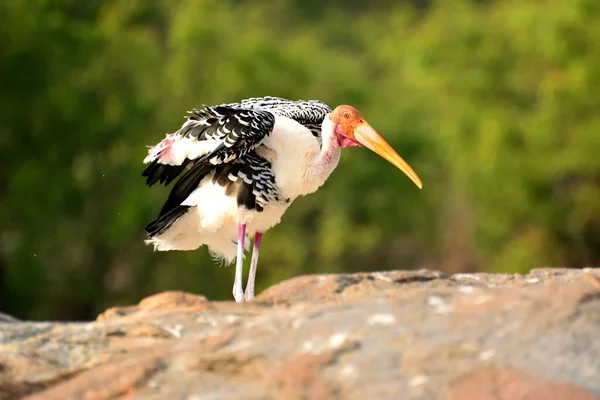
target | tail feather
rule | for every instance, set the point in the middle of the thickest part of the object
(184, 187)
(163, 173)
(164, 222)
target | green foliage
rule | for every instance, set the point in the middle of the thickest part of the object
(493, 103)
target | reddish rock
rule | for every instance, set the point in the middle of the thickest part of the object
(497, 384)
(387, 335)
(300, 378)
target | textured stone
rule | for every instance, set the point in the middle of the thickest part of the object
(387, 335)
(494, 384)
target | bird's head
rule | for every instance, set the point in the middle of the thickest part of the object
(351, 129)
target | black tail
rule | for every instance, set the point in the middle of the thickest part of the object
(163, 173)
(172, 210)
(160, 225)
(185, 186)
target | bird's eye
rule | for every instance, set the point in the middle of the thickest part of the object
(346, 115)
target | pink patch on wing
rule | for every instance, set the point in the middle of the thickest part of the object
(161, 150)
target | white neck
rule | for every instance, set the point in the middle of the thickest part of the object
(326, 160)
(299, 164)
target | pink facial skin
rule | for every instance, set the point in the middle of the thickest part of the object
(343, 140)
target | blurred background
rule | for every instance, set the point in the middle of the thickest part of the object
(495, 104)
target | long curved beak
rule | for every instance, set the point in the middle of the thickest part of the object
(368, 137)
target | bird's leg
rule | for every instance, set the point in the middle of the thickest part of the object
(238, 289)
(252, 273)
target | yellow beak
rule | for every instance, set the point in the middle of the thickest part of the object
(368, 137)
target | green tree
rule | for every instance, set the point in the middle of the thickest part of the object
(493, 103)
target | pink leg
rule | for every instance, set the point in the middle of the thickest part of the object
(253, 264)
(238, 289)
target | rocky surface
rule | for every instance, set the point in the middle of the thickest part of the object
(388, 335)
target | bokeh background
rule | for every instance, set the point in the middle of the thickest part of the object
(495, 104)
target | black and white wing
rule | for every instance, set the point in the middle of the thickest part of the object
(309, 113)
(213, 134)
(223, 133)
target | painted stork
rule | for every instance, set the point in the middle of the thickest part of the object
(243, 164)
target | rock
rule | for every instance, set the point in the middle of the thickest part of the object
(385, 335)
(7, 318)
(491, 384)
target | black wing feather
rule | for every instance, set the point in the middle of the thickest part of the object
(309, 113)
(163, 222)
(185, 186)
(237, 130)
(163, 173)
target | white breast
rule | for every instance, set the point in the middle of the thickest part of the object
(291, 148)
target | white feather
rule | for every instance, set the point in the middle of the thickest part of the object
(294, 154)
(174, 149)
(190, 148)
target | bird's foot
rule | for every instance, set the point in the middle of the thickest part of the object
(249, 295)
(238, 290)
(238, 295)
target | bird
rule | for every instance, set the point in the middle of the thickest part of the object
(241, 165)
